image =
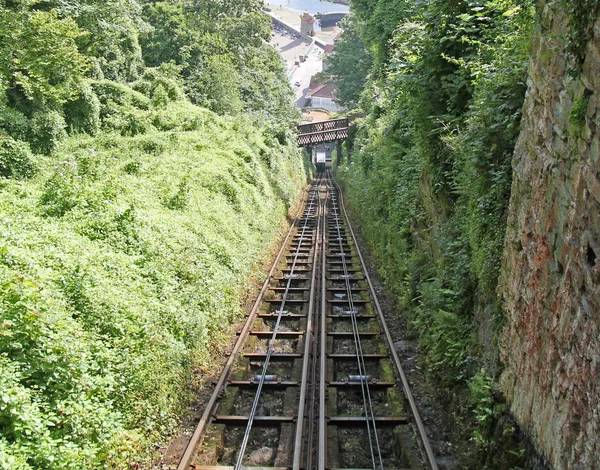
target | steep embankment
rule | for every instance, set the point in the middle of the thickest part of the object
(121, 263)
(551, 345)
(430, 169)
(130, 213)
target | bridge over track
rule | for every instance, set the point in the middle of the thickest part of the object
(322, 132)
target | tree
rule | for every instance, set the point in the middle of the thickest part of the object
(350, 64)
(40, 59)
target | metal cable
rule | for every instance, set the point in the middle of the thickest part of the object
(367, 400)
(320, 226)
(271, 347)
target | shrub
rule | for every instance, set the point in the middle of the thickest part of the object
(160, 96)
(110, 93)
(179, 200)
(151, 145)
(15, 158)
(14, 122)
(61, 190)
(47, 131)
(217, 86)
(83, 114)
(51, 416)
(164, 77)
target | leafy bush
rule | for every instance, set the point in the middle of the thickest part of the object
(40, 55)
(433, 154)
(165, 77)
(47, 129)
(15, 158)
(14, 122)
(83, 113)
(51, 413)
(481, 386)
(180, 116)
(112, 93)
(217, 86)
(122, 109)
(160, 96)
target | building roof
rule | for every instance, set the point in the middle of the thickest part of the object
(329, 48)
(327, 90)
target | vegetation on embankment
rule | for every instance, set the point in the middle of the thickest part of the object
(130, 214)
(438, 87)
(121, 263)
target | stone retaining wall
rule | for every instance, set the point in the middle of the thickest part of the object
(551, 269)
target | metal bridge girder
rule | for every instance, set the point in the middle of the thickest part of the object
(322, 132)
(323, 126)
(305, 140)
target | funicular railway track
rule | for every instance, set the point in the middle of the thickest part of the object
(313, 381)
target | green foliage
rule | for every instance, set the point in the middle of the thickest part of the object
(122, 109)
(578, 114)
(430, 166)
(47, 129)
(170, 38)
(112, 28)
(582, 15)
(112, 95)
(50, 386)
(433, 157)
(219, 47)
(211, 52)
(121, 261)
(124, 248)
(350, 81)
(218, 86)
(15, 158)
(166, 77)
(481, 386)
(180, 199)
(379, 19)
(14, 122)
(40, 58)
(83, 113)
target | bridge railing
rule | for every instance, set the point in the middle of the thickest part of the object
(322, 137)
(323, 126)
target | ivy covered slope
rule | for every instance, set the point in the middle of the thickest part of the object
(144, 170)
(439, 88)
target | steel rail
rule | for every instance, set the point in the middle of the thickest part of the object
(322, 456)
(312, 432)
(395, 357)
(192, 446)
(362, 369)
(307, 341)
(271, 345)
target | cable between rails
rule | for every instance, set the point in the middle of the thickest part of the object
(375, 447)
(396, 359)
(271, 345)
